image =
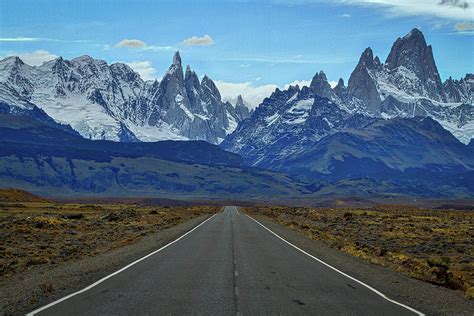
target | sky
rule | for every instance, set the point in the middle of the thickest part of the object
(246, 47)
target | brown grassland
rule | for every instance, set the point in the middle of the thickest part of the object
(436, 246)
(48, 233)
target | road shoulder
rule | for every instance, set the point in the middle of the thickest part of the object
(44, 284)
(430, 299)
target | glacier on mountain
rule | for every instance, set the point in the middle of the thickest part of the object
(112, 102)
(292, 122)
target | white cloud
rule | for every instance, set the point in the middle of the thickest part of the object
(144, 68)
(37, 57)
(294, 60)
(447, 9)
(300, 83)
(345, 15)
(252, 95)
(199, 41)
(332, 83)
(20, 39)
(160, 48)
(38, 39)
(139, 44)
(463, 4)
(131, 43)
(464, 27)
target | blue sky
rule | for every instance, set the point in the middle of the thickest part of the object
(246, 46)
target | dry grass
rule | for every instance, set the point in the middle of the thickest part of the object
(43, 233)
(436, 246)
(17, 195)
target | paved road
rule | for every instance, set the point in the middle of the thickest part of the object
(229, 265)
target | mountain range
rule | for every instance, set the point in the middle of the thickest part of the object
(83, 126)
(46, 160)
(390, 122)
(112, 102)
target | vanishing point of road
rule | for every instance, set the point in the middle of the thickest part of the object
(228, 265)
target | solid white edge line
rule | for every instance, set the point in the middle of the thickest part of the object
(339, 271)
(115, 273)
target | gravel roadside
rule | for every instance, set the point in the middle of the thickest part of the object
(428, 298)
(42, 284)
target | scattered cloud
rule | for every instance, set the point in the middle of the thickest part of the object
(205, 40)
(446, 9)
(160, 48)
(345, 15)
(144, 68)
(20, 39)
(438, 26)
(463, 4)
(464, 27)
(332, 83)
(139, 44)
(254, 95)
(38, 39)
(35, 58)
(131, 43)
(293, 60)
(300, 83)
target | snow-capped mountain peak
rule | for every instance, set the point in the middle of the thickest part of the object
(293, 121)
(112, 102)
(409, 84)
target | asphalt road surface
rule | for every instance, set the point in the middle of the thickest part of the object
(228, 265)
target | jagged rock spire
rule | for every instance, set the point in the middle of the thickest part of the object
(239, 101)
(241, 109)
(361, 85)
(193, 89)
(367, 58)
(412, 52)
(340, 83)
(340, 88)
(177, 59)
(175, 71)
(210, 86)
(321, 86)
(191, 77)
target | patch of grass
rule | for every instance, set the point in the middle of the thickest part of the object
(436, 246)
(46, 288)
(45, 233)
